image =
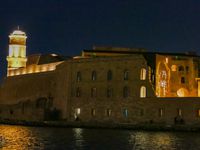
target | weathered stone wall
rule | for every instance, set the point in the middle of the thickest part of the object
(20, 96)
(140, 110)
(27, 87)
(133, 64)
(54, 94)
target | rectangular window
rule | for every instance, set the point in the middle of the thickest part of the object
(93, 112)
(126, 92)
(182, 80)
(179, 112)
(160, 112)
(77, 111)
(78, 76)
(109, 92)
(108, 112)
(198, 113)
(125, 113)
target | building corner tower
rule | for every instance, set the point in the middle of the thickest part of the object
(17, 51)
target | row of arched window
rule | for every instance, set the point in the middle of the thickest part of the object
(180, 68)
(110, 75)
(109, 92)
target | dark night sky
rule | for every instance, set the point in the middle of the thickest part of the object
(68, 26)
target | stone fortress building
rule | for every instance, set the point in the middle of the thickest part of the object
(105, 84)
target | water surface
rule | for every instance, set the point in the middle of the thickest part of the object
(23, 138)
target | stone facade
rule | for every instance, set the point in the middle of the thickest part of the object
(118, 88)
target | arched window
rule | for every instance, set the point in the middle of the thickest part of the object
(125, 92)
(78, 76)
(94, 75)
(143, 92)
(143, 74)
(109, 75)
(126, 74)
(180, 68)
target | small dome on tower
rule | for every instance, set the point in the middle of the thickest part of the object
(18, 32)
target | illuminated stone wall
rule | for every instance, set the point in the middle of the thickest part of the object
(176, 76)
(22, 96)
(33, 69)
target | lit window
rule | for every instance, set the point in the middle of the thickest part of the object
(160, 112)
(143, 92)
(78, 92)
(125, 113)
(173, 67)
(179, 112)
(94, 75)
(143, 74)
(93, 112)
(182, 92)
(78, 76)
(93, 92)
(109, 75)
(166, 60)
(126, 75)
(198, 113)
(125, 92)
(108, 112)
(77, 113)
(109, 92)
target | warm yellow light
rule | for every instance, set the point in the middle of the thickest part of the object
(166, 60)
(24, 71)
(182, 92)
(30, 70)
(37, 69)
(11, 73)
(54, 55)
(143, 92)
(17, 51)
(51, 67)
(44, 68)
(173, 67)
(17, 72)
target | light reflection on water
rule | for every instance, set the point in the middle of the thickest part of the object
(23, 138)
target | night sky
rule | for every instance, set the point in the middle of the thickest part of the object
(67, 26)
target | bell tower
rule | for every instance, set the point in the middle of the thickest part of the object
(17, 50)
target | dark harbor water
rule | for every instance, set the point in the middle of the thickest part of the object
(19, 137)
